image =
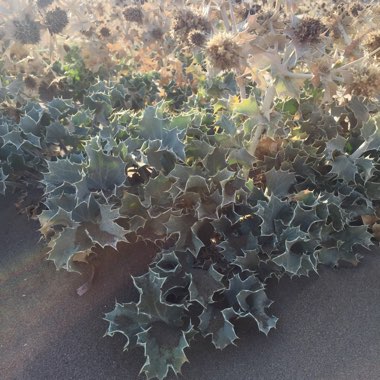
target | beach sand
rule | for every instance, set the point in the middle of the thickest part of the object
(328, 328)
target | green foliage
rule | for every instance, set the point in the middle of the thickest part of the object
(222, 220)
(259, 172)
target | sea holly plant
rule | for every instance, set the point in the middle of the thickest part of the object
(223, 222)
(238, 142)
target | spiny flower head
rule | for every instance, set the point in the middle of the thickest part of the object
(56, 20)
(372, 42)
(223, 52)
(187, 21)
(105, 32)
(197, 38)
(309, 30)
(133, 14)
(27, 31)
(365, 80)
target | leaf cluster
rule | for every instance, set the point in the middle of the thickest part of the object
(222, 219)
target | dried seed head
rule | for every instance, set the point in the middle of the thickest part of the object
(30, 82)
(27, 31)
(365, 80)
(372, 42)
(44, 3)
(133, 14)
(105, 32)
(223, 52)
(56, 20)
(309, 30)
(197, 38)
(186, 21)
(322, 64)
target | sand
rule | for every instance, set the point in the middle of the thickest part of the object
(329, 326)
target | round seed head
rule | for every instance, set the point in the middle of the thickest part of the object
(27, 31)
(372, 42)
(186, 21)
(105, 32)
(56, 20)
(133, 14)
(197, 38)
(365, 80)
(309, 30)
(223, 52)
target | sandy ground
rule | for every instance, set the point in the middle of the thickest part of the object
(329, 326)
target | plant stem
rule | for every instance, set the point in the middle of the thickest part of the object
(289, 74)
(268, 100)
(241, 84)
(356, 61)
(256, 138)
(233, 19)
(347, 39)
(225, 18)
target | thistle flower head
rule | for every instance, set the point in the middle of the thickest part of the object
(27, 31)
(56, 20)
(187, 21)
(365, 80)
(223, 52)
(105, 32)
(133, 14)
(372, 42)
(322, 64)
(197, 38)
(309, 30)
